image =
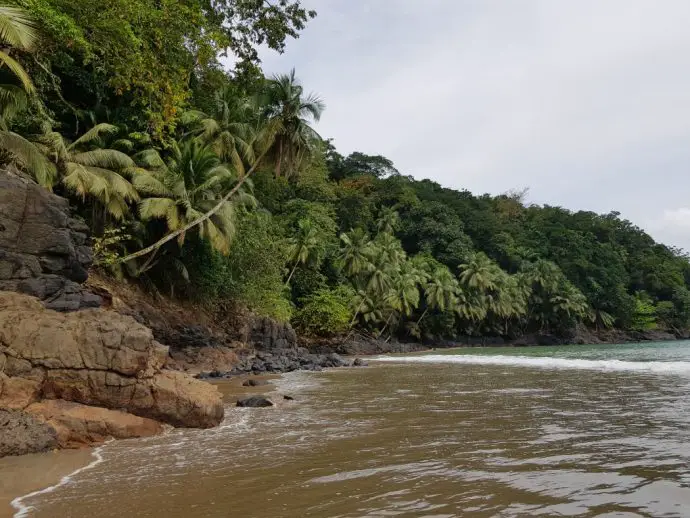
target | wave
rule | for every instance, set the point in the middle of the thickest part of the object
(23, 510)
(668, 367)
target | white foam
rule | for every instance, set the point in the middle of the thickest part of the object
(670, 367)
(23, 510)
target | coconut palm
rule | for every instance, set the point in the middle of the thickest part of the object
(288, 114)
(17, 30)
(479, 272)
(388, 221)
(440, 291)
(306, 247)
(355, 252)
(228, 128)
(88, 169)
(193, 181)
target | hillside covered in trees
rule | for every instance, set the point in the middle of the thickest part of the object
(213, 185)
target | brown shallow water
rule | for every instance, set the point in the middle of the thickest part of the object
(433, 440)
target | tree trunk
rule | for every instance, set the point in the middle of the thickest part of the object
(291, 273)
(197, 221)
(423, 315)
(354, 318)
(280, 157)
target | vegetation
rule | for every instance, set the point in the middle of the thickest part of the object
(214, 185)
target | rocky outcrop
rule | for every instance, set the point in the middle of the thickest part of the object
(255, 402)
(94, 357)
(78, 425)
(43, 250)
(23, 433)
(287, 360)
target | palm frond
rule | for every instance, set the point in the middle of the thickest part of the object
(94, 134)
(17, 70)
(17, 28)
(105, 158)
(29, 157)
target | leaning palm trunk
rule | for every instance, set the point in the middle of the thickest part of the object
(287, 283)
(197, 221)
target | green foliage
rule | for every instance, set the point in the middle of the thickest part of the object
(644, 317)
(269, 215)
(325, 312)
(252, 272)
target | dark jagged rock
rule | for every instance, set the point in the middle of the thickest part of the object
(255, 383)
(43, 250)
(255, 402)
(287, 360)
(358, 362)
(288, 398)
(23, 433)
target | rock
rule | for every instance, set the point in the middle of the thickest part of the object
(42, 248)
(211, 359)
(266, 334)
(95, 357)
(358, 362)
(80, 425)
(23, 433)
(255, 383)
(288, 398)
(255, 402)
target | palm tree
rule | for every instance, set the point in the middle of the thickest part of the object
(288, 114)
(388, 221)
(440, 291)
(86, 168)
(228, 128)
(18, 30)
(187, 186)
(355, 252)
(479, 272)
(305, 247)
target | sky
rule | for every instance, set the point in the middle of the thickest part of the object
(584, 102)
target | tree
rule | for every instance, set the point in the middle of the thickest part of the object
(288, 114)
(88, 169)
(440, 291)
(191, 183)
(306, 247)
(229, 128)
(147, 55)
(17, 30)
(388, 221)
(355, 252)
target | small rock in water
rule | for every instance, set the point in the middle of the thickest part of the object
(255, 402)
(359, 363)
(255, 383)
(288, 398)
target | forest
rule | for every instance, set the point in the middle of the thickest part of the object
(209, 182)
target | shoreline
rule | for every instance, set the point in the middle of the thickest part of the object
(25, 476)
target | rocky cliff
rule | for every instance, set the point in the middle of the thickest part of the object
(98, 358)
(43, 249)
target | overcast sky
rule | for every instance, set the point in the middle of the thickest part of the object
(586, 102)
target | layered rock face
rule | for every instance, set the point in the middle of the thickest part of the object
(94, 357)
(43, 250)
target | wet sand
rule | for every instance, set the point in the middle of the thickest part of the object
(28, 473)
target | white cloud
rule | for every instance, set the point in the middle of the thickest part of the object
(584, 101)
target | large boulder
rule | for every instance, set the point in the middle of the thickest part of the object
(95, 357)
(80, 425)
(43, 250)
(23, 433)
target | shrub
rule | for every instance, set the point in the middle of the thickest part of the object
(326, 312)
